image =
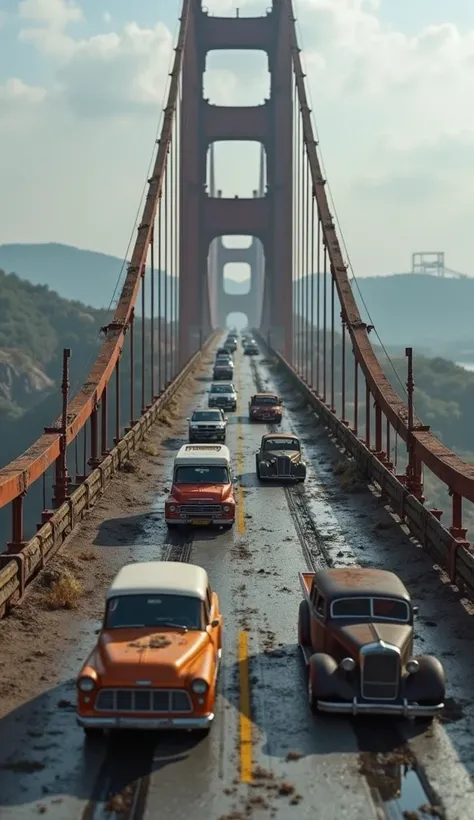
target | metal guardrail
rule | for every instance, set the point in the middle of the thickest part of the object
(18, 570)
(450, 553)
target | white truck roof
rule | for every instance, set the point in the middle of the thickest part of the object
(153, 577)
(194, 454)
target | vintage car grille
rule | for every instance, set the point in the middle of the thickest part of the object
(143, 700)
(200, 510)
(283, 465)
(380, 676)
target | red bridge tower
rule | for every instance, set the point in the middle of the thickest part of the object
(204, 217)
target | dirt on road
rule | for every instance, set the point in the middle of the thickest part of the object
(43, 629)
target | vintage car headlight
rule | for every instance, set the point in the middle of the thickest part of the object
(199, 686)
(86, 684)
(348, 664)
(226, 508)
(172, 508)
(412, 666)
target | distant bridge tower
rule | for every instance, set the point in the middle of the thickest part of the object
(204, 216)
(428, 262)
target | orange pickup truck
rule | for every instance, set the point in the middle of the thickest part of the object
(355, 629)
(202, 492)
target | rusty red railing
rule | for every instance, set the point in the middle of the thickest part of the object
(158, 238)
(316, 344)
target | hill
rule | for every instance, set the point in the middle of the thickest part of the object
(406, 309)
(79, 275)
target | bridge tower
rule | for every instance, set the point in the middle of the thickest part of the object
(204, 216)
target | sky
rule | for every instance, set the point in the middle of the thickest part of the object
(391, 82)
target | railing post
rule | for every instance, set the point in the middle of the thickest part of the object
(414, 470)
(62, 479)
(94, 459)
(18, 536)
(367, 415)
(103, 423)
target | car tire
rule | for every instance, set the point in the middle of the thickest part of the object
(93, 734)
(171, 525)
(257, 468)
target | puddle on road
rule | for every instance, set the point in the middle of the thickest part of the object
(398, 784)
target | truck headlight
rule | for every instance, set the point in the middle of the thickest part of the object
(412, 666)
(172, 508)
(226, 508)
(348, 664)
(199, 686)
(86, 684)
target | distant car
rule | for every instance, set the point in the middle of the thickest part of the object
(223, 351)
(224, 370)
(251, 349)
(222, 358)
(156, 660)
(207, 425)
(230, 345)
(355, 629)
(223, 395)
(265, 407)
(279, 457)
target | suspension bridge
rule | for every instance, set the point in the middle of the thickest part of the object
(167, 322)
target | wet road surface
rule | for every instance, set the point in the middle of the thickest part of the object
(266, 754)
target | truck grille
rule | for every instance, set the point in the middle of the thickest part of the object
(143, 700)
(205, 428)
(380, 676)
(283, 465)
(200, 510)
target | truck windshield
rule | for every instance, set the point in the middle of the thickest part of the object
(206, 415)
(132, 611)
(222, 388)
(271, 400)
(282, 444)
(202, 475)
(370, 609)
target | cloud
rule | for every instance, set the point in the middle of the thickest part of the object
(393, 111)
(16, 96)
(117, 74)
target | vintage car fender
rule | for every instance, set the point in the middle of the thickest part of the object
(326, 681)
(428, 685)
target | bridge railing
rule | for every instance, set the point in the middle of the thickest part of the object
(145, 317)
(321, 366)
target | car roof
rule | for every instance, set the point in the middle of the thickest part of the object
(280, 435)
(195, 454)
(151, 577)
(347, 582)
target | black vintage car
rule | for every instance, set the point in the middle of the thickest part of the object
(279, 457)
(355, 629)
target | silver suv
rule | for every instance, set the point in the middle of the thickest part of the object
(223, 395)
(207, 425)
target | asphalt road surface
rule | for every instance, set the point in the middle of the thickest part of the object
(266, 755)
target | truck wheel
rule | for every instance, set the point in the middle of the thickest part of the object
(304, 631)
(171, 525)
(257, 468)
(93, 734)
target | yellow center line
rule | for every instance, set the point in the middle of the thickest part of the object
(240, 458)
(245, 718)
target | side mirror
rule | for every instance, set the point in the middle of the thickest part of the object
(225, 418)
(215, 623)
(97, 631)
(416, 610)
(188, 418)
